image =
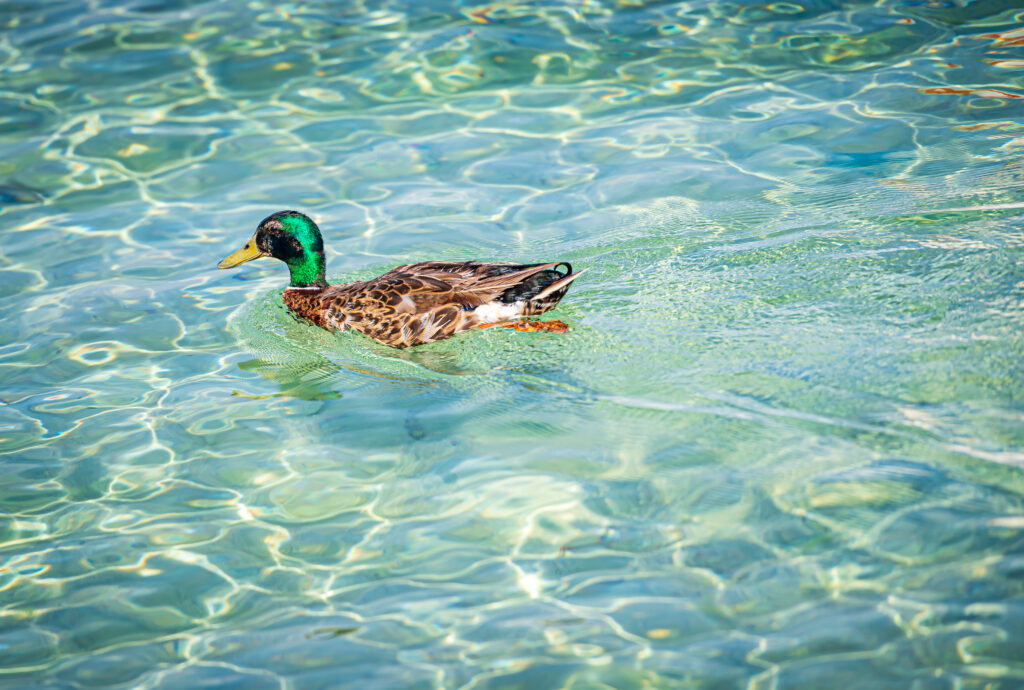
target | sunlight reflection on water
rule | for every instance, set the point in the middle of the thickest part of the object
(780, 446)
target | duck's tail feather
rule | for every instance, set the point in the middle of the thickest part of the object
(523, 289)
(562, 284)
(532, 280)
(548, 296)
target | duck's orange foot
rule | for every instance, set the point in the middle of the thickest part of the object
(538, 326)
(531, 326)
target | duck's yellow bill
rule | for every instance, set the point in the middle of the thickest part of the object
(247, 253)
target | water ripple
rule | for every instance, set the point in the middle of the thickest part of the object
(780, 445)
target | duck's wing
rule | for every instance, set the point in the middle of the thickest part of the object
(403, 309)
(490, 281)
(457, 274)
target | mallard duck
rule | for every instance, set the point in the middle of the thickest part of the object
(411, 304)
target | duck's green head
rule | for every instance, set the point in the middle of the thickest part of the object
(293, 238)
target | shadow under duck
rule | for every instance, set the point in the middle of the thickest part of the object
(411, 304)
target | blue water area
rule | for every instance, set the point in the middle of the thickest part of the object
(780, 446)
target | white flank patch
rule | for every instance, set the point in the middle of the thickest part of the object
(492, 313)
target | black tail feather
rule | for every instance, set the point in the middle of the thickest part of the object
(534, 284)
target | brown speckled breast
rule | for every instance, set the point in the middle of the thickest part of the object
(306, 303)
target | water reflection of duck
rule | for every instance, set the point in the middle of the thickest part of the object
(411, 304)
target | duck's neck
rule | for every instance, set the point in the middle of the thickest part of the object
(307, 271)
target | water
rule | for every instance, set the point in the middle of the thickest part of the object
(780, 447)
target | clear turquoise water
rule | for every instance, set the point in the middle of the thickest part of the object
(782, 445)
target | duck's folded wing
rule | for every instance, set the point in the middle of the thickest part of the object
(402, 309)
(487, 280)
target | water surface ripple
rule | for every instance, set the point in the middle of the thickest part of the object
(782, 445)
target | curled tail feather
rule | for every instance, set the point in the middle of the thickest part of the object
(551, 294)
(536, 280)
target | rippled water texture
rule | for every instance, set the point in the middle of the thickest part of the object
(781, 446)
